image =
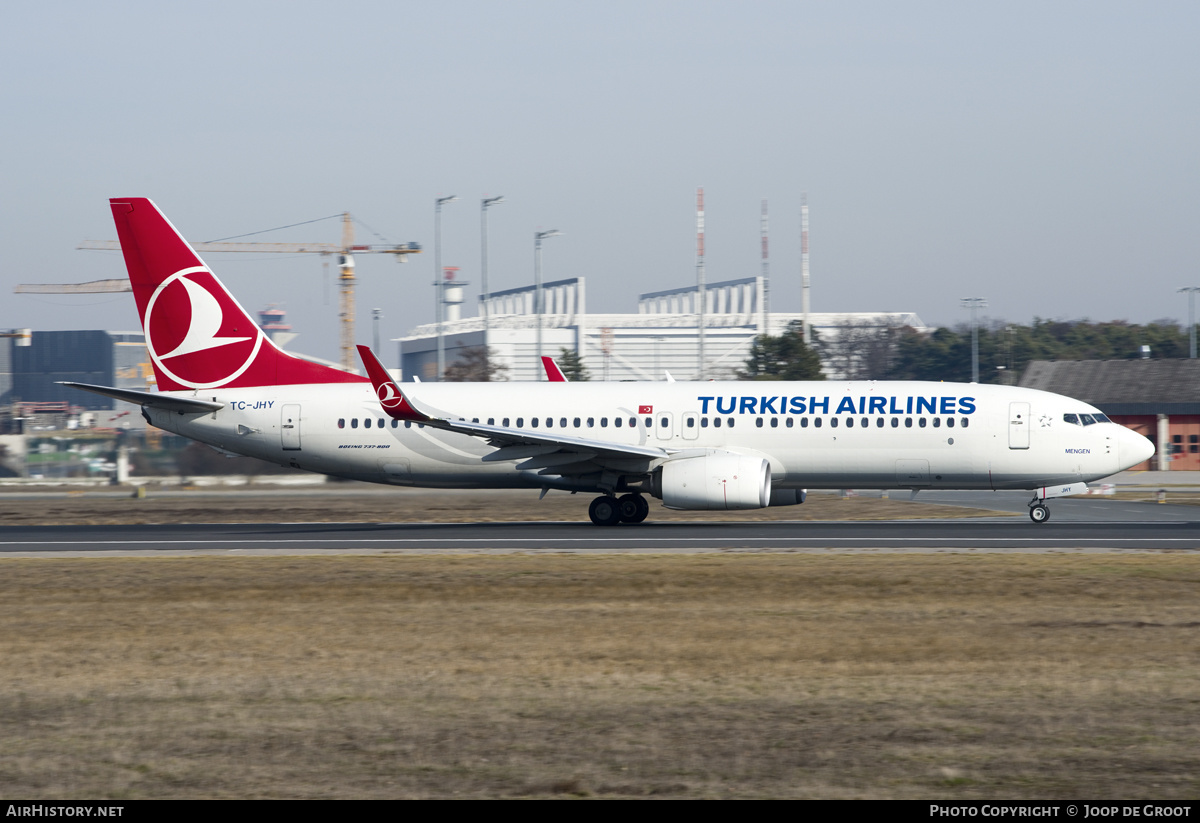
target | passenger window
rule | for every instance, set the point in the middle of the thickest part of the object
(879, 422)
(367, 423)
(966, 422)
(533, 422)
(864, 422)
(758, 422)
(395, 423)
(382, 423)
(849, 422)
(1071, 418)
(520, 422)
(663, 423)
(649, 422)
(895, 422)
(937, 422)
(817, 422)
(704, 422)
(633, 422)
(549, 422)
(690, 422)
(354, 423)
(789, 423)
(576, 421)
(949, 422)
(591, 422)
(408, 424)
(804, 422)
(716, 422)
(341, 423)
(921, 422)
(729, 422)
(617, 422)
(908, 422)
(833, 421)
(504, 422)
(604, 422)
(491, 421)
(774, 422)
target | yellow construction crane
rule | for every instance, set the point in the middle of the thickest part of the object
(345, 252)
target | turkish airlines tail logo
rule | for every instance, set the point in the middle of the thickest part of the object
(197, 334)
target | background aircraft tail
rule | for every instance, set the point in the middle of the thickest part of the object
(197, 334)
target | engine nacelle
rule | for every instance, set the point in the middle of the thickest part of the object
(716, 481)
(788, 497)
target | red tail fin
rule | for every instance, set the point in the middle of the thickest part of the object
(197, 334)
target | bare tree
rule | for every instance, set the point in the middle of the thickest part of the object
(475, 364)
(861, 349)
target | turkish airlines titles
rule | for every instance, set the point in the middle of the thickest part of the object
(847, 405)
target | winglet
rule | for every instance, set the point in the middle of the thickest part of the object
(390, 395)
(553, 372)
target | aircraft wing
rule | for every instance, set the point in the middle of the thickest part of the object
(154, 400)
(552, 454)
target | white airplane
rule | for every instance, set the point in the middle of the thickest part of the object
(695, 446)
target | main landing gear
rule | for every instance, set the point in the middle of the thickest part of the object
(609, 511)
(1038, 512)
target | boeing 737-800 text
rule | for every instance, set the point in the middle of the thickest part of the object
(709, 445)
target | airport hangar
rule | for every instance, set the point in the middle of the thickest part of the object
(663, 336)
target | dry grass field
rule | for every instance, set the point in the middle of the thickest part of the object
(420, 505)
(919, 676)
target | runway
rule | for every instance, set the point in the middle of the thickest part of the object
(987, 535)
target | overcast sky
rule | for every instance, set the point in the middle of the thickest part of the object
(1041, 155)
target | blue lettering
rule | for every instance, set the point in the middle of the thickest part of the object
(767, 406)
(877, 404)
(908, 406)
(748, 404)
(847, 405)
(813, 404)
(892, 406)
(797, 406)
(927, 403)
(966, 405)
(704, 401)
(861, 404)
(732, 406)
(947, 405)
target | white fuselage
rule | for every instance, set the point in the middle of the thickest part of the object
(815, 435)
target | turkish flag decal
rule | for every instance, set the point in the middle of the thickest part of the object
(645, 410)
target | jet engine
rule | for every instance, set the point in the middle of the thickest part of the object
(716, 481)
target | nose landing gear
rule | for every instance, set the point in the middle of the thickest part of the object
(1039, 513)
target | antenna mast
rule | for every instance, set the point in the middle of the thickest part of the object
(700, 298)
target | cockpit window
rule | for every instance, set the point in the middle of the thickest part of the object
(1101, 418)
(1071, 418)
(1087, 419)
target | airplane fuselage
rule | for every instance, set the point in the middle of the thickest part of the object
(909, 435)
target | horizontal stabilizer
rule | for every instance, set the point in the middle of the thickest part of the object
(154, 400)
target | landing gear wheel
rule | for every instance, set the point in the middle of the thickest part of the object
(633, 508)
(605, 511)
(1039, 513)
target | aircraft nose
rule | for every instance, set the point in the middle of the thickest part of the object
(1133, 448)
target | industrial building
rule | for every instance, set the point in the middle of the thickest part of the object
(31, 373)
(662, 336)
(1159, 399)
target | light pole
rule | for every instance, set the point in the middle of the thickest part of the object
(438, 306)
(1191, 293)
(376, 314)
(487, 201)
(974, 304)
(538, 237)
